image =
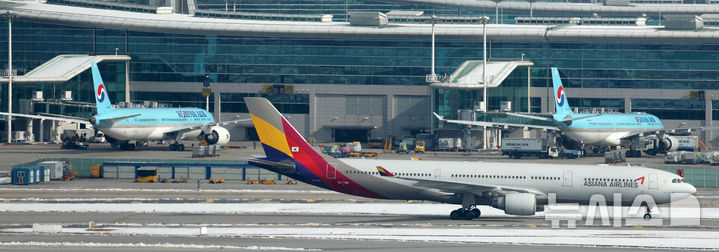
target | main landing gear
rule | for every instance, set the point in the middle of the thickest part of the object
(177, 147)
(466, 213)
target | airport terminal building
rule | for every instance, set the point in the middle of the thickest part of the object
(342, 79)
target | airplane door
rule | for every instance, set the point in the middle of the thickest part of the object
(331, 173)
(567, 181)
(437, 174)
(653, 181)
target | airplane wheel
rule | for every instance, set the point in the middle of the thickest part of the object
(455, 215)
(647, 216)
(468, 215)
(476, 213)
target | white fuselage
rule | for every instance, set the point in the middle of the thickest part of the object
(148, 133)
(570, 183)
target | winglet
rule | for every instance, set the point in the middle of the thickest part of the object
(384, 172)
(438, 116)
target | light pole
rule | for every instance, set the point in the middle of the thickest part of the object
(9, 83)
(496, 11)
(484, 20)
(434, 75)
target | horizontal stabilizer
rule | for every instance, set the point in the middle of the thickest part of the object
(284, 167)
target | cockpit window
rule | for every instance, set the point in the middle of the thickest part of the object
(677, 181)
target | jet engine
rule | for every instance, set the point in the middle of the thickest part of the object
(669, 143)
(517, 203)
(217, 135)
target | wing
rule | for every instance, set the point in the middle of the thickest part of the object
(580, 117)
(460, 187)
(188, 128)
(542, 117)
(117, 119)
(493, 124)
(670, 131)
(63, 119)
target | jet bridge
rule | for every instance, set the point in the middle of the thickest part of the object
(469, 76)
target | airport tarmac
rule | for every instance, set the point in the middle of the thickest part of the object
(290, 217)
(156, 227)
(21, 153)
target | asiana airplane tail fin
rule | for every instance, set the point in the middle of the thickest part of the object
(287, 152)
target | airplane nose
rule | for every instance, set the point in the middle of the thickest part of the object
(692, 189)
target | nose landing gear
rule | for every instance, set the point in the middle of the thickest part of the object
(647, 213)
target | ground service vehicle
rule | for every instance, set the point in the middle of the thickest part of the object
(146, 175)
(518, 147)
(449, 144)
(402, 148)
(376, 143)
(419, 147)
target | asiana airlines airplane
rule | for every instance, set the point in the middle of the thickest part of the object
(518, 189)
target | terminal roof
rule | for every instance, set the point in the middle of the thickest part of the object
(186, 24)
(63, 68)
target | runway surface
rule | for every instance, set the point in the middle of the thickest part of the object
(106, 214)
(151, 217)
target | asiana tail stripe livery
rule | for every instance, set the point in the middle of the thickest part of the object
(518, 189)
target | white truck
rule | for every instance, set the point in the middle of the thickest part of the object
(655, 145)
(518, 147)
(449, 144)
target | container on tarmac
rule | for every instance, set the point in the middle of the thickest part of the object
(43, 174)
(55, 168)
(22, 176)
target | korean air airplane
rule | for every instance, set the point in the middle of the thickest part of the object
(608, 129)
(140, 125)
(518, 189)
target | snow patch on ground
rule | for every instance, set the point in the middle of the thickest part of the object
(143, 245)
(393, 209)
(683, 239)
(164, 190)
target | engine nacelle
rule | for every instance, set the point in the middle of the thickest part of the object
(517, 203)
(680, 143)
(218, 135)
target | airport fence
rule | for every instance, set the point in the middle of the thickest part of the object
(698, 176)
(241, 170)
(167, 168)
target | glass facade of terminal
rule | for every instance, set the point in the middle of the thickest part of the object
(161, 59)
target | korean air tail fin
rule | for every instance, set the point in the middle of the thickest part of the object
(279, 138)
(561, 104)
(102, 100)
